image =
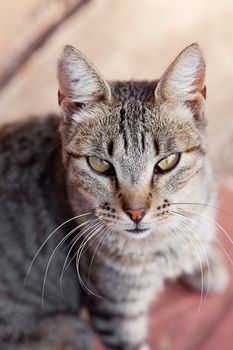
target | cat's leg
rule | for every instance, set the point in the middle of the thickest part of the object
(58, 332)
(212, 276)
(122, 330)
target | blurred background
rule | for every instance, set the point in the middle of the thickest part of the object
(125, 39)
(132, 39)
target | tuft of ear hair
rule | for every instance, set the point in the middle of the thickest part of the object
(184, 80)
(79, 81)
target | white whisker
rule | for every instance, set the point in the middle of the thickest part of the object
(205, 205)
(78, 258)
(92, 226)
(212, 220)
(200, 243)
(197, 250)
(51, 234)
(104, 235)
(54, 252)
(216, 241)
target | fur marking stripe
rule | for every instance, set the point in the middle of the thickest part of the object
(123, 128)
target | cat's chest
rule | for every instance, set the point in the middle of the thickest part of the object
(145, 267)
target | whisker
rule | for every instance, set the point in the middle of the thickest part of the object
(212, 220)
(216, 241)
(93, 225)
(52, 255)
(202, 277)
(81, 250)
(78, 258)
(51, 234)
(222, 250)
(99, 234)
(201, 246)
(104, 235)
(206, 205)
(176, 237)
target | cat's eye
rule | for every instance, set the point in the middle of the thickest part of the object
(99, 165)
(168, 163)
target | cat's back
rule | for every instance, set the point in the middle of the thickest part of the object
(33, 202)
(32, 179)
(24, 149)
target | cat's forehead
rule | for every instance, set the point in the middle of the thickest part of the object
(136, 127)
(141, 91)
(138, 121)
(129, 114)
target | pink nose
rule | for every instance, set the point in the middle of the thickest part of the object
(136, 214)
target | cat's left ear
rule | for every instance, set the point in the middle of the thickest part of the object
(80, 83)
(184, 80)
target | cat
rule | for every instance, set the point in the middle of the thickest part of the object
(104, 211)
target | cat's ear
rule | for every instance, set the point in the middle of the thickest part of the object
(80, 84)
(184, 80)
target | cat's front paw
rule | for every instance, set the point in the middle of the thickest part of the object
(214, 276)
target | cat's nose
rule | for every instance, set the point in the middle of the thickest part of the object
(136, 215)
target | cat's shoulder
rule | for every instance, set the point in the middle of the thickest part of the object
(27, 144)
(33, 130)
(20, 140)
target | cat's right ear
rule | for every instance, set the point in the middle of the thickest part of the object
(184, 80)
(80, 84)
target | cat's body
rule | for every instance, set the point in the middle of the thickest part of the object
(125, 258)
(33, 202)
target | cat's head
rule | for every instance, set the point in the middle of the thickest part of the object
(134, 148)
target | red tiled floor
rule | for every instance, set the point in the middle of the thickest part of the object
(177, 323)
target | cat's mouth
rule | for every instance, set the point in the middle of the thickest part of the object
(138, 230)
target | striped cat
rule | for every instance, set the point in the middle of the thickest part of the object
(102, 215)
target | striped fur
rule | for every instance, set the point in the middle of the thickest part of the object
(137, 125)
(122, 264)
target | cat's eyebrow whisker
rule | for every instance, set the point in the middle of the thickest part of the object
(46, 240)
(201, 245)
(54, 252)
(199, 259)
(92, 226)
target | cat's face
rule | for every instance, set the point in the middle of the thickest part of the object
(134, 148)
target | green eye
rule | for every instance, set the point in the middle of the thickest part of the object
(168, 163)
(99, 165)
